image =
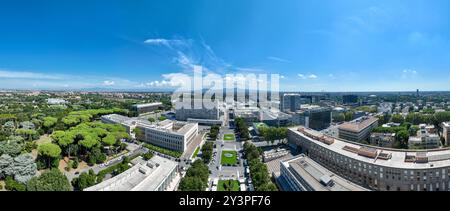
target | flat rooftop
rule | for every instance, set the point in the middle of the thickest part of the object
(267, 114)
(119, 119)
(317, 176)
(358, 125)
(176, 127)
(436, 158)
(148, 105)
(169, 126)
(145, 176)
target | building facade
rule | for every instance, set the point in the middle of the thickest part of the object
(154, 175)
(446, 132)
(148, 107)
(292, 102)
(172, 135)
(301, 173)
(358, 130)
(169, 135)
(382, 139)
(350, 99)
(315, 117)
(185, 112)
(426, 138)
(380, 169)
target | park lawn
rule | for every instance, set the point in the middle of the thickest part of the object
(196, 152)
(235, 186)
(228, 160)
(229, 137)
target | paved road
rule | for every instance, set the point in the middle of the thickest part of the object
(265, 143)
(187, 156)
(226, 172)
(98, 167)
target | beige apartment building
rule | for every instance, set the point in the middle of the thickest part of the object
(376, 168)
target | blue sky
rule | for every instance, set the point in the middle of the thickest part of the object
(316, 45)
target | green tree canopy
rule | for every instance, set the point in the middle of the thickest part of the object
(397, 118)
(49, 150)
(50, 122)
(11, 147)
(109, 140)
(85, 180)
(52, 180)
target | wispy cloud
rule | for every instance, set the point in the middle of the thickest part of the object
(188, 54)
(165, 42)
(408, 74)
(39, 80)
(301, 76)
(170, 80)
(310, 76)
(278, 59)
(109, 83)
(27, 75)
(250, 69)
(370, 19)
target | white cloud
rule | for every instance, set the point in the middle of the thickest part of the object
(109, 83)
(304, 77)
(181, 51)
(27, 75)
(408, 74)
(165, 42)
(278, 59)
(187, 53)
(312, 76)
(171, 80)
(185, 61)
(249, 69)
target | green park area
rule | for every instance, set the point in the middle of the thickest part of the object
(228, 185)
(229, 137)
(260, 125)
(228, 158)
(196, 152)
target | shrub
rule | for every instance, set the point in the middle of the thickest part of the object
(13, 185)
(148, 156)
(75, 163)
(171, 153)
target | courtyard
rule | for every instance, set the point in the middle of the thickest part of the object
(229, 137)
(228, 185)
(228, 157)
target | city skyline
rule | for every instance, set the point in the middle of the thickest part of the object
(314, 45)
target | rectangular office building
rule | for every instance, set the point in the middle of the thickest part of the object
(148, 107)
(303, 174)
(359, 129)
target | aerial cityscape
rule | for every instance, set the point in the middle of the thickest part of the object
(218, 96)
